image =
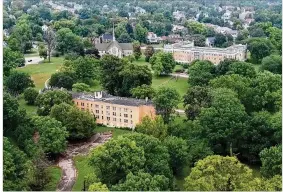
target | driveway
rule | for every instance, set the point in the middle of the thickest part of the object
(34, 60)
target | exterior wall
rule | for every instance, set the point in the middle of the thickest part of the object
(127, 52)
(187, 56)
(114, 115)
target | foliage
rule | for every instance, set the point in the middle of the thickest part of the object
(50, 38)
(271, 159)
(137, 51)
(243, 69)
(143, 182)
(272, 63)
(17, 82)
(162, 63)
(199, 40)
(223, 122)
(154, 127)
(62, 79)
(195, 27)
(178, 151)
(98, 187)
(140, 33)
(42, 51)
(201, 72)
(115, 159)
(30, 95)
(12, 59)
(166, 100)
(142, 92)
(196, 98)
(217, 173)
(15, 167)
(259, 48)
(80, 87)
(48, 99)
(148, 52)
(52, 135)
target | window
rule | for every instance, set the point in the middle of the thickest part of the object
(90, 105)
(125, 120)
(96, 106)
(114, 119)
(97, 116)
(125, 115)
(114, 108)
(96, 111)
(108, 107)
(82, 104)
(101, 111)
(125, 109)
(87, 104)
(120, 114)
(120, 120)
(131, 122)
(77, 103)
(131, 116)
(83, 109)
(107, 113)
(108, 118)
(101, 106)
(114, 113)
(101, 117)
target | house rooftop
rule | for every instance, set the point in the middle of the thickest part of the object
(107, 98)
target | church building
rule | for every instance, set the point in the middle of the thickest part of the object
(114, 48)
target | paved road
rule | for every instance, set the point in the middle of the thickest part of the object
(184, 75)
(34, 60)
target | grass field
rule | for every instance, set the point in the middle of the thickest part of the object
(115, 131)
(55, 173)
(41, 72)
(30, 109)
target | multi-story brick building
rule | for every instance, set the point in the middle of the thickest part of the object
(186, 52)
(114, 111)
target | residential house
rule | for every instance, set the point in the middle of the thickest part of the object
(173, 38)
(178, 15)
(209, 41)
(44, 28)
(152, 37)
(178, 28)
(115, 111)
(226, 16)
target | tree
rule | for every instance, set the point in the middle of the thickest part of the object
(17, 82)
(137, 51)
(142, 92)
(63, 79)
(259, 48)
(195, 27)
(15, 167)
(80, 87)
(199, 40)
(196, 98)
(52, 135)
(271, 159)
(30, 95)
(111, 66)
(79, 124)
(50, 39)
(68, 42)
(42, 51)
(166, 100)
(223, 67)
(217, 173)
(265, 92)
(46, 100)
(220, 40)
(154, 127)
(222, 123)
(143, 182)
(115, 159)
(243, 69)
(149, 51)
(140, 33)
(12, 59)
(92, 52)
(133, 76)
(201, 72)
(124, 38)
(275, 36)
(98, 187)
(162, 63)
(178, 150)
(272, 63)
(259, 134)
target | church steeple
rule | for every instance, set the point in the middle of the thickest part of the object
(113, 33)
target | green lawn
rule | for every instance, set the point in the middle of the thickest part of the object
(181, 85)
(30, 109)
(83, 169)
(32, 53)
(41, 72)
(55, 173)
(115, 131)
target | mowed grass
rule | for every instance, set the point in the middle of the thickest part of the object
(83, 169)
(30, 109)
(43, 71)
(115, 131)
(55, 173)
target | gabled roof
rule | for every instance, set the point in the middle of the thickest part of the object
(105, 46)
(107, 37)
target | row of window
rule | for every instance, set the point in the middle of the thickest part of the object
(113, 113)
(114, 119)
(107, 107)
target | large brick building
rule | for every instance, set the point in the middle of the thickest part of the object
(186, 52)
(114, 111)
